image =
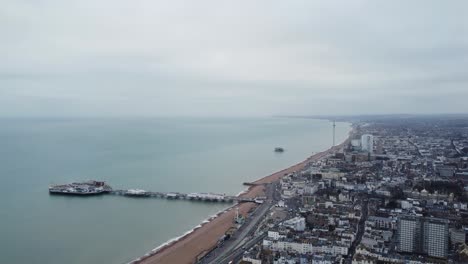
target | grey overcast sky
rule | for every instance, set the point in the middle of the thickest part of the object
(233, 58)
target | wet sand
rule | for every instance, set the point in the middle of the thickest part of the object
(199, 242)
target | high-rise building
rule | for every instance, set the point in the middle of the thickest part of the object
(367, 143)
(409, 234)
(423, 235)
(435, 237)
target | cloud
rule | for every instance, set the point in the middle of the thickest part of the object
(231, 58)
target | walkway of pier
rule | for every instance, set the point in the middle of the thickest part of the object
(203, 197)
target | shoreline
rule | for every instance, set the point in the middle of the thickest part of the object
(174, 240)
(203, 237)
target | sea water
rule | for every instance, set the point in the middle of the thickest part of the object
(156, 154)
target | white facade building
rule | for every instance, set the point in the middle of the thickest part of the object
(296, 223)
(367, 143)
(356, 143)
(406, 205)
(275, 235)
(252, 260)
(304, 248)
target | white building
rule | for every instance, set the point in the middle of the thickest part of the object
(406, 205)
(283, 260)
(356, 143)
(288, 193)
(304, 248)
(296, 223)
(281, 204)
(251, 260)
(367, 143)
(275, 235)
(311, 189)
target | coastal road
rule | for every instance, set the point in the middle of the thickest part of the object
(239, 239)
(244, 235)
(237, 254)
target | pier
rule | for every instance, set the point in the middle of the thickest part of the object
(202, 197)
(99, 188)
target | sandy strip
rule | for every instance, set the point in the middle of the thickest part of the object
(187, 249)
(200, 241)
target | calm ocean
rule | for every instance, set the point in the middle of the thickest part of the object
(180, 154)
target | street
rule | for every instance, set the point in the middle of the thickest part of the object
(360, 232)
(243, 238)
